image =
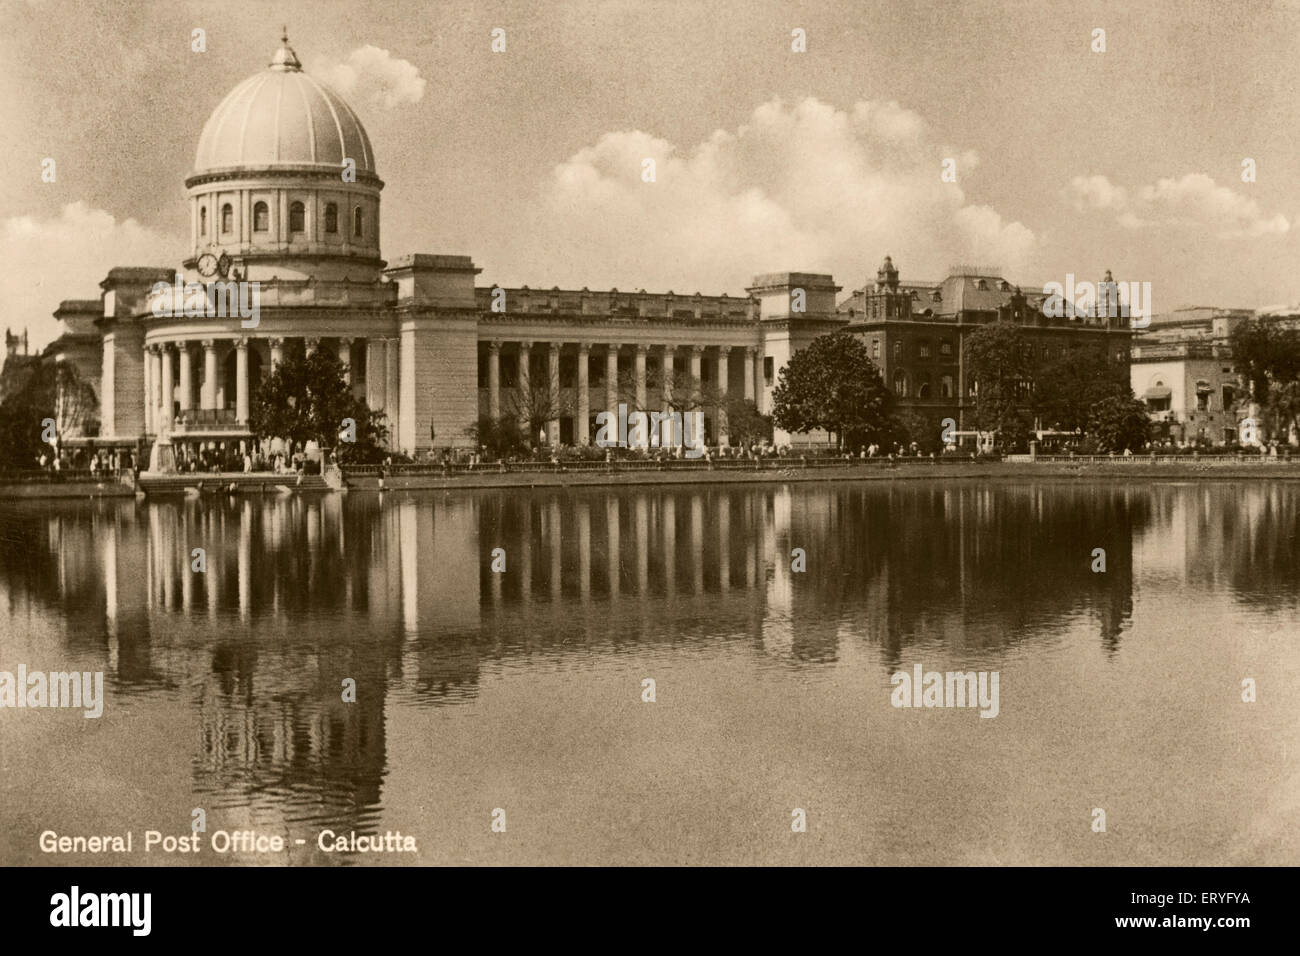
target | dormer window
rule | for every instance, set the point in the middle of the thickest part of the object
(297, 218)
(227, 219)
(203, 220)
(261, 218)
(981, 285)
(331, 218)
(357, 222)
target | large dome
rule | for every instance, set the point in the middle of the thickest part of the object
(283, 117)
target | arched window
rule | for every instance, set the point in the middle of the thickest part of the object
(923, 391)
(356, 222)
(296, 218)
(261, 218)
(227, 218)
(203, 220)
(900, 383)
(331, 217)
(945, 387)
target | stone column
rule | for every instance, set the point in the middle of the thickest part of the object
(376, 392)
(277, 351)
(168, 388)
(148, 389)
(553, 394)
(582, 432)
(750, 352)
(494, 380)
(667, 438)
(611, 379)
(241, 381)
(187, 377)
(640, 378)
(208, 399)
(524, 386)
(758, 378)
(697, 351)
(392, 393)
(724, 351)
(345, 358)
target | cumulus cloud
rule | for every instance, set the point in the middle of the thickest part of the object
(1195, 201)
(1096, 192)
(66, 257)
(375, 76)
(806, 186)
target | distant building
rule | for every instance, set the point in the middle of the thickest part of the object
(1182, 369)
(915, 333)
(13, 374)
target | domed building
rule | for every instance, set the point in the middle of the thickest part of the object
(285, 213)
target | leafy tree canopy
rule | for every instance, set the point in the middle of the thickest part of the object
(306, 399)
(833, 385)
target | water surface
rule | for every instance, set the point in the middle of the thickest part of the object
(523, 691)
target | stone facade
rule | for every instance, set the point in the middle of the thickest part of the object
(285, 196)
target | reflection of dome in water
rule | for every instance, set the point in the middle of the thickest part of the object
(283, 117)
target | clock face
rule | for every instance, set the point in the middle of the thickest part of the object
(207, 264)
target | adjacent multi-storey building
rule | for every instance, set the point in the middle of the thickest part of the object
(1182, 368)
(915, 332)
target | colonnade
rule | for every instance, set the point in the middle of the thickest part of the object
(171, 368)
(667, 356)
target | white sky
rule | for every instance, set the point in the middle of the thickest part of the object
(768, 160)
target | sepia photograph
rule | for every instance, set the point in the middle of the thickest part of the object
(650, 434)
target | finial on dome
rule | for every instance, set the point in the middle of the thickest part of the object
(285, 60)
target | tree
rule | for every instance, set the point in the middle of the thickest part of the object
(1269, 359)
(536, 407)
(499, 436)
(76, 404)
(999, 361)
(832, 385)
(1067, 387)
(911, 425)
(745, 424)
(307, 399)
(1119, 422)
(21, 414)
(44, 390)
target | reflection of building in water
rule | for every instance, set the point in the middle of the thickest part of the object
(1236, 537)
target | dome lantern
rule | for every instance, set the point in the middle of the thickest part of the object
(285, 60)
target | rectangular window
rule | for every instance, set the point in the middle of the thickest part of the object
(945, 347)
(768, 371)
(924, 351)
(875, 348)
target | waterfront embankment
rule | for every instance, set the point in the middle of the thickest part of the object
(903, 470)
(538, 475)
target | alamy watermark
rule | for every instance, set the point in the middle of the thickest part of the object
(946, 689)
(83, 689)
(225, 299)
(1099, 300)
(651, 430)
